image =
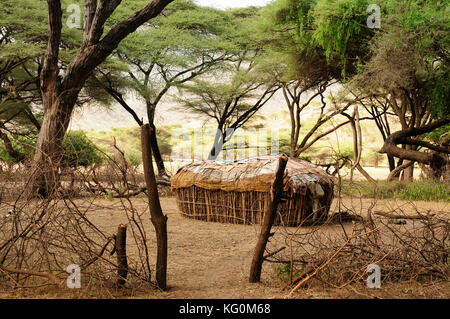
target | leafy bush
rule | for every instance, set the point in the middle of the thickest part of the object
(134, 160)
(79, 150)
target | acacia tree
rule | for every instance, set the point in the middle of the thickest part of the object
(378, 107)
(19, 75)
(184, 44)
(303, 69)
(60, 91)
(231, 104)
(293, 93)
(22, 42)
(406, 60)
(16, 115)
(410, 64)
(232, 94)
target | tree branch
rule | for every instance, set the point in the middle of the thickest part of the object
(390, 146)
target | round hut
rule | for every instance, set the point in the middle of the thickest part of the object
(238, 192)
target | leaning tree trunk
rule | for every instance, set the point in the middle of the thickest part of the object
(151, 108)
(217, 146)
(408, 174)
(158, 219)
(434, 160)
(157, 153)
(395, 169)
(47, 159)
(220, 139)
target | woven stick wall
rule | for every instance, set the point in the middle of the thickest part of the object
(238, 192)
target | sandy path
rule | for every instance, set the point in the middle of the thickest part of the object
(206, 260)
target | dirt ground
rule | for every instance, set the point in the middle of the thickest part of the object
(212, 260)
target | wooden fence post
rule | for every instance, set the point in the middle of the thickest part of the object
(121, 251)
(270, 214)
(158, 219)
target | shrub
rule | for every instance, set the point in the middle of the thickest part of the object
(133, 159)
(79, 150)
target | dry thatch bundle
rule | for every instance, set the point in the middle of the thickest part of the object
(237, 192)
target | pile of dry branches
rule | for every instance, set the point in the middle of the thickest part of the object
(337, 253)
(41, 237)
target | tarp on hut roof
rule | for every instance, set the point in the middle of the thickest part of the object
(252, 174)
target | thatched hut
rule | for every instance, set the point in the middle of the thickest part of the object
(237, 192)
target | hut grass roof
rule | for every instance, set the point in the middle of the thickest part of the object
(252, 174)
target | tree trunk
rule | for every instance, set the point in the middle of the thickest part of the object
(391, 161)
(435, 161)
(217, 146)
(393, 167)
(158, 219)
(90, 7)
(408, 173)
(47, 158)
(357, 147)
(292, 151)
(270, 214)
(396, 172)
(151, 108)
(156, 153)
